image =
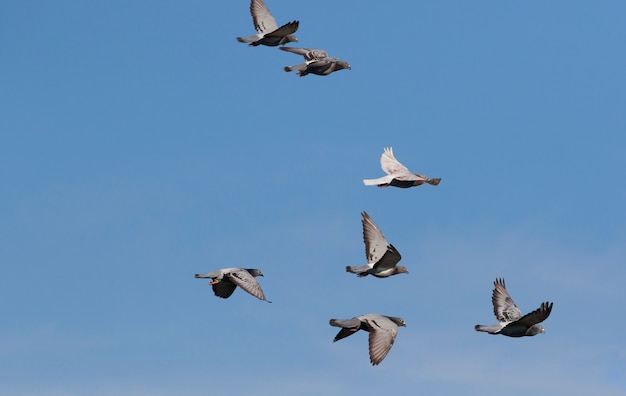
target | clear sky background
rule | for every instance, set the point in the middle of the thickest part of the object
(141, 144)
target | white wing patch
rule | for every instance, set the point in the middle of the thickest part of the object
(390, 164)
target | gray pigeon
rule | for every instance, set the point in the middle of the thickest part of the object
(381, 256)
(511, 322)
(225, 281)
(382, 329)
(268, 32)
(316, 62)
(397, 174)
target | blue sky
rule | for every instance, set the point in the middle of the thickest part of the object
(141, 144)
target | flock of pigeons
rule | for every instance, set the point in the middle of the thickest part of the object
(382, 257)
(268, 33)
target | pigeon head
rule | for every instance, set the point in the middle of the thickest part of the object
(396, 320)
(254, 272)
(343, 65)
(401, 270)
(290, 38)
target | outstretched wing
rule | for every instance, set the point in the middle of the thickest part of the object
(536, 316)
(262, 18)
(309, 54)
(285, 30)
(382, 336)
(375, 242)
(390, 164)
(224, 288)
(503, 305)
(389, 260)
(247, 282)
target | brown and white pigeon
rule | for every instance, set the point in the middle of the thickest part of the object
(381, 256)
(510, 320)
(382, 329)
(397, 174)
(316, 62)
(268, 32)
(225, 281)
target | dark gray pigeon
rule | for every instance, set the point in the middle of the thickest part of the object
(316, 62)
(382, 329)
(397, 174)
(225, 281)
(268, 32)
(510, 320)
(381, 256)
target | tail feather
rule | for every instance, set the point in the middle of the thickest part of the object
(352, 270)
(361, 271)
(378, 182)
(434, 182)
(248, 39)
(301, 67)
(493, 329)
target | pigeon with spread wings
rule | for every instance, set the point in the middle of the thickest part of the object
(381, 256)
(225, 281)
(316, 62)
(398, 175)
(268, 32)
(382, 332)
(510, 320)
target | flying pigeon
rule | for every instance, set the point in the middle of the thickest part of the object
(382, 329)
(381, 256)
(268, 32)
(397, 174)
(511, 322)
(225, 281)
(316, 62)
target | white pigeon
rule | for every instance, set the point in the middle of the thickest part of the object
(225, 281)
(398, 175)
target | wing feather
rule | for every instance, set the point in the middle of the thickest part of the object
(389, 259)
(284, 30)
(381, 338)
(262, 18)
(390, 164)
(309, 54)
(247, 282)
(224, 288)
(504, 307)
(536, 316)
(375, 242)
